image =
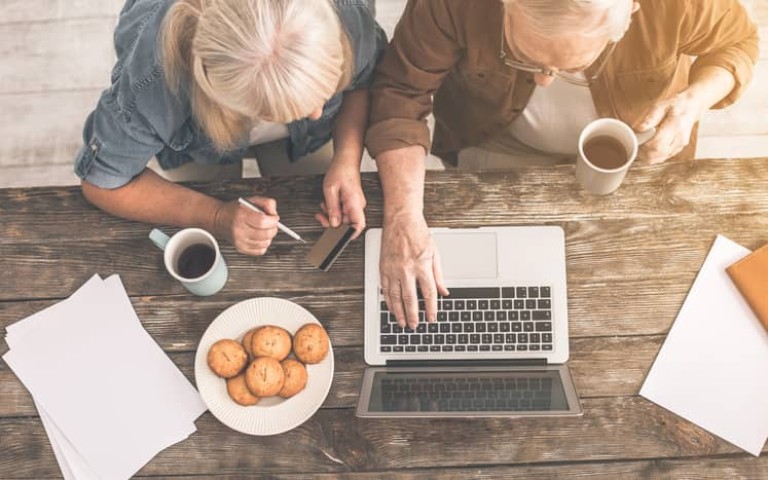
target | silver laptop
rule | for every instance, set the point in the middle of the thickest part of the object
(500, 342)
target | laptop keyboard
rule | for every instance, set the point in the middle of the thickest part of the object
(477, 319)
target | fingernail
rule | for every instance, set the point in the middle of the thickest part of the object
(335, 221)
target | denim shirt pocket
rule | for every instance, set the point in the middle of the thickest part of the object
(87, 156)
(182, 138)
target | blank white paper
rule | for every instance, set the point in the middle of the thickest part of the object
(713, 367)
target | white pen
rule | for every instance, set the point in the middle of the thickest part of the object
(280, 226)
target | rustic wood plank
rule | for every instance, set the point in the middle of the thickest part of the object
(728, 467)
(334, 440)
(600, 368)
(602, 253)
(31, 11)
(38, 57)
(537, 195)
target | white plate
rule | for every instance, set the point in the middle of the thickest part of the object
(271, 415)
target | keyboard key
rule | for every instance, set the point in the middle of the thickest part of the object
(508, 292)
(474, 338)
(487, 338)
(386, 328)
(422, 327)
(535, 348)
(421, 305)
(489, 316)
(495, 304)
(450, 339)
(519, 304)
(458, 304)
(463, 339)
(543, 326)
(447, 348)
(535, 338)
(474, 292)
(485, 348)
(501, 315)
(497, 348)
(453, 316)
(528, 327)
(513, 315)
(493, 327)
(456, 328)
(397, 349)
(447, 304)
(402, 339)
(544, 291)
(415, 339)
(409, 330)
(383, 306)
(544, 304)
(525, 315)
(516, 327)
(460, 348)
(509, 348)
(440, 338)
(498, 338)
(466, 316)
(477, 316)
(542, 315)
(434, 348)
(445, 327)
(546, 337)
(384, 318)
(410, 348)
(471, 348)
(423, 348)
(530, 304)
(480, 328)
(522, 348)
(397, 329)
(426, 339)
(471, 304)
(388, 339)
(442, 316)
(482, 304)
(386, 349)
(521, 292)
(507, 304)
(504, 327)
(546, 347)
(468, 327)
(511, 338)
(533, 292)
(433, 328)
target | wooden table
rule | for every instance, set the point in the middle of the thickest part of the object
(632, 257)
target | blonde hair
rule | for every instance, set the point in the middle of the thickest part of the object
(589, 18)
(242, 60)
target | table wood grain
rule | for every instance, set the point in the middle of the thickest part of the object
(631, 258)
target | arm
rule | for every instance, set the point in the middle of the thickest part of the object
(152, 199)
(724, 40)
(343, 192)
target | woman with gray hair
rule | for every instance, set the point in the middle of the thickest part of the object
(197, 82)
(513, 82)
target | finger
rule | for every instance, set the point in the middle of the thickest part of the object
(269, 205)
(394, 299)
(322, 219)
(661, 147)
(323, 207)
(252, 249)
(437, 268)
(429, 293)
(652, 118)
(410, 299)
(258, 221)
(356, 218)
(333, 203)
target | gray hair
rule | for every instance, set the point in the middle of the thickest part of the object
(591, 18)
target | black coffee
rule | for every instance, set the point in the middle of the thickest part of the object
(196, 260)
(605, 152)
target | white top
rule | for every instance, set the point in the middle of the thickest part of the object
(265, 132)
(554, 117)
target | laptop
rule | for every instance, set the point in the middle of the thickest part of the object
(499, 346)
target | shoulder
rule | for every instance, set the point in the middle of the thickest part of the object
(366, 37)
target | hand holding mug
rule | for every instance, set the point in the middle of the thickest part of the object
(673, 119)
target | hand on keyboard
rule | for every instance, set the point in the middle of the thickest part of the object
(410, 262)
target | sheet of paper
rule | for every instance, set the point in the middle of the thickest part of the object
(713, 367)
(109, 389)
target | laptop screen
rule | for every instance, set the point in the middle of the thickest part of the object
(521, 391)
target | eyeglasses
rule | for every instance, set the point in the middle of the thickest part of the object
(575, 78)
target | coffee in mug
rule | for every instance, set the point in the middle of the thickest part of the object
(196, 260)
(192, 256)
(605, 152)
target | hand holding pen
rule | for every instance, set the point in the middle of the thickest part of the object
(251, 232)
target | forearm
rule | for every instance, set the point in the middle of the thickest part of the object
(709, 85)
(151, 199)
(402, 179)
(350, 126)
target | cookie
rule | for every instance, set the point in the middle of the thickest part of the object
(238, 391)
(295, 377)
(247, 339)
(227, 358)
(264, 377)
(311, 344)
(271, 341)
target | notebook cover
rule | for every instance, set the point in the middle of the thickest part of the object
(750, 275)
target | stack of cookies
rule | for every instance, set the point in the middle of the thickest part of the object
(260, 365)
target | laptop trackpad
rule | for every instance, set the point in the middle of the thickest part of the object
(468, 255)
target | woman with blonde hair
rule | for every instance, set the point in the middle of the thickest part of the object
(197, 82)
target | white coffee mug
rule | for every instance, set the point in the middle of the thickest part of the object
(192, 257)
(602, 180)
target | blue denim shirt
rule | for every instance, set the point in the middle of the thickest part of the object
(138, 117)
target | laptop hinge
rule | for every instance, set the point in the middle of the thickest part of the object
(537, 362)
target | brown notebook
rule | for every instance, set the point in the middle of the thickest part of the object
(750, 275)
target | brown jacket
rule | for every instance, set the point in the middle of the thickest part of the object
(450, 49)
